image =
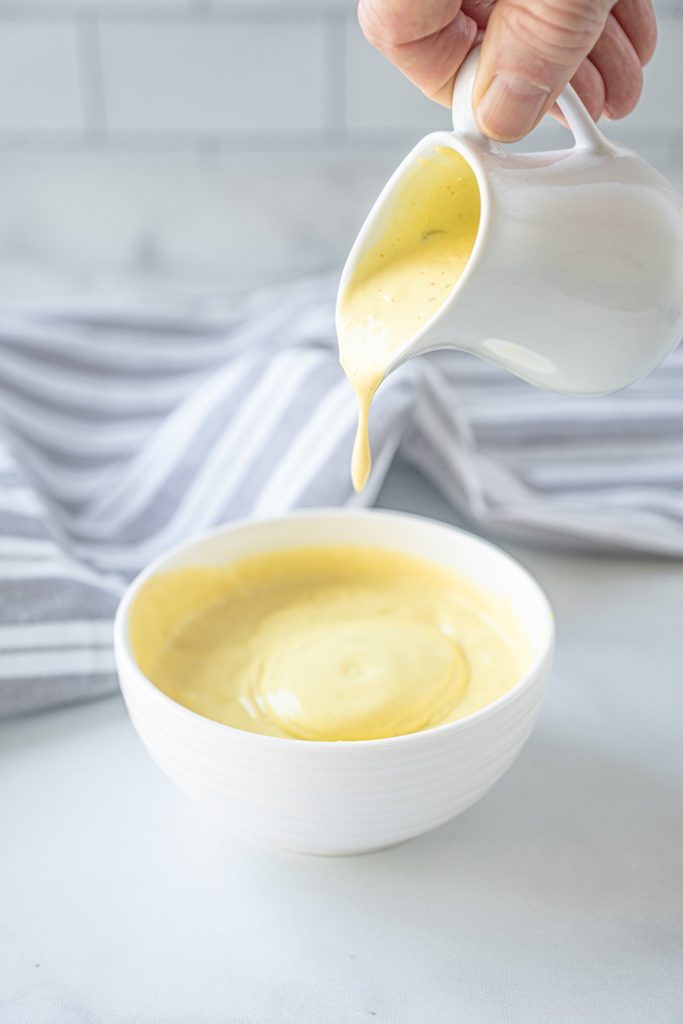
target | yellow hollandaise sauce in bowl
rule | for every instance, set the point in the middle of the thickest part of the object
(327, 643)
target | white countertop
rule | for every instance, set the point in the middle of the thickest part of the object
(558, 899)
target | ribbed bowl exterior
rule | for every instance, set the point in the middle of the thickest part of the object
(335, 798)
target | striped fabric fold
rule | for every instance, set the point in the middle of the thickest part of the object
(130, 426)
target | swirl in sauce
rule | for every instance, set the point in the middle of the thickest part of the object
(337, 643)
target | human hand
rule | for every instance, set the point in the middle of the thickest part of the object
(531, 49)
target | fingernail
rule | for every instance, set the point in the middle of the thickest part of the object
(510, 106)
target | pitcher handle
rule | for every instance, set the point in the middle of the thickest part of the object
(584, 129)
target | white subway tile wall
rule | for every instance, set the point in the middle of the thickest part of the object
(211, 79)
(40, 91)
(223, 139)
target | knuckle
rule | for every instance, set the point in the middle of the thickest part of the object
(558, 31)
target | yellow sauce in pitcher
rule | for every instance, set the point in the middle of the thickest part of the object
(405, 276)
(327, 643)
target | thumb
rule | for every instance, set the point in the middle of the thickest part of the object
(531, 50)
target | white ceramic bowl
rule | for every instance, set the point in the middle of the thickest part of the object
(346, 797)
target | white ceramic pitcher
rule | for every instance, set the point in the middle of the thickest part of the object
(575, 282)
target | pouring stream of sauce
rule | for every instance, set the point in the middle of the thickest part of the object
(403, 279)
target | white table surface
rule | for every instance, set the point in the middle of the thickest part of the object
(557, 899)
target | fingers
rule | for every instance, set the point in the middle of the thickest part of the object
(531, 50)
(425, 46)
(617, 61)
(391, 23)
(610, 80)
(637, 18)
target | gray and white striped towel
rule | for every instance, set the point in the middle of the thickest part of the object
(130, 426)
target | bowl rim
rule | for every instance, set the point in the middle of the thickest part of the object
(126, 663)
